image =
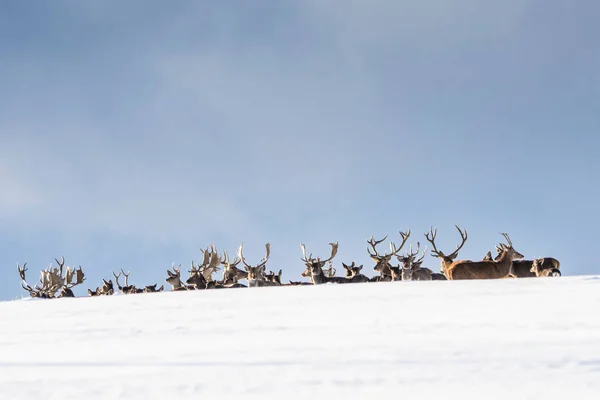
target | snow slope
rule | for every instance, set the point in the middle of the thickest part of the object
(536, 338)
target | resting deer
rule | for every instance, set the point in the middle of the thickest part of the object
(106, 289)
(445, 260)
(52, 280)
(127, 289)
(382, 262)
(274, 277)
(230, 270)
(486, 269)
(539, 271)
(174, 279)
(353, 273)
(315, 267)
(256, 274)
(153, 289)
(411, 269)
(197, 277)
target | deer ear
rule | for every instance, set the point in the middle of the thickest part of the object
(359, 268)
(279, 273)
(247, 269)
(106, 283)
(169, 273)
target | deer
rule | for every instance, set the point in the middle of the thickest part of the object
(197, 277)
(230, 270)
(486, 269)
(445, 260)
(174, 279)
(353, 273)
(153, 289)
(52, 280)
(382, 262)
(274, 277)
(105, 290)
(315, 267)
(256, 274)
(523, 268)
(411, 269)
(127, 289)
(45, 291)
(539, 271)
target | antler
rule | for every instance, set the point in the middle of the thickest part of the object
(304, 258)
(79, 277)
(117, 280)
(61, 264)
(264, 260)
(435, 252)
(126, 275)
(405, 236)
(463, 237)
(212, 266)
(241, 256)
(206, 254)
(22, 271)
(420, 260)
(331, 272)
(373, 244)
(507, 239)
(334, 250)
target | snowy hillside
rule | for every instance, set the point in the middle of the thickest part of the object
(536, 338)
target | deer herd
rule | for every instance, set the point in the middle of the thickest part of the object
(508, 263)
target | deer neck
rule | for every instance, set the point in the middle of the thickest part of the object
(318, 278)
(506, 262)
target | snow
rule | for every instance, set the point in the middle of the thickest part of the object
(512, 338)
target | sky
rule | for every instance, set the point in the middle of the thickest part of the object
(134, 134)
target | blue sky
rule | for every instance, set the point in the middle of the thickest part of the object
(133, 134)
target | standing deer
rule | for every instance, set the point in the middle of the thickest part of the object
(523, 268)
(256, 274)
(382, 262)
(486, 269)
(315, 267)
(445, 260)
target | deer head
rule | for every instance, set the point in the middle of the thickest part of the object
(382, 261)
(127, 288)
(256, 272)
(174, 278)
(314, 266)
(446, 260)
(230, 270)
